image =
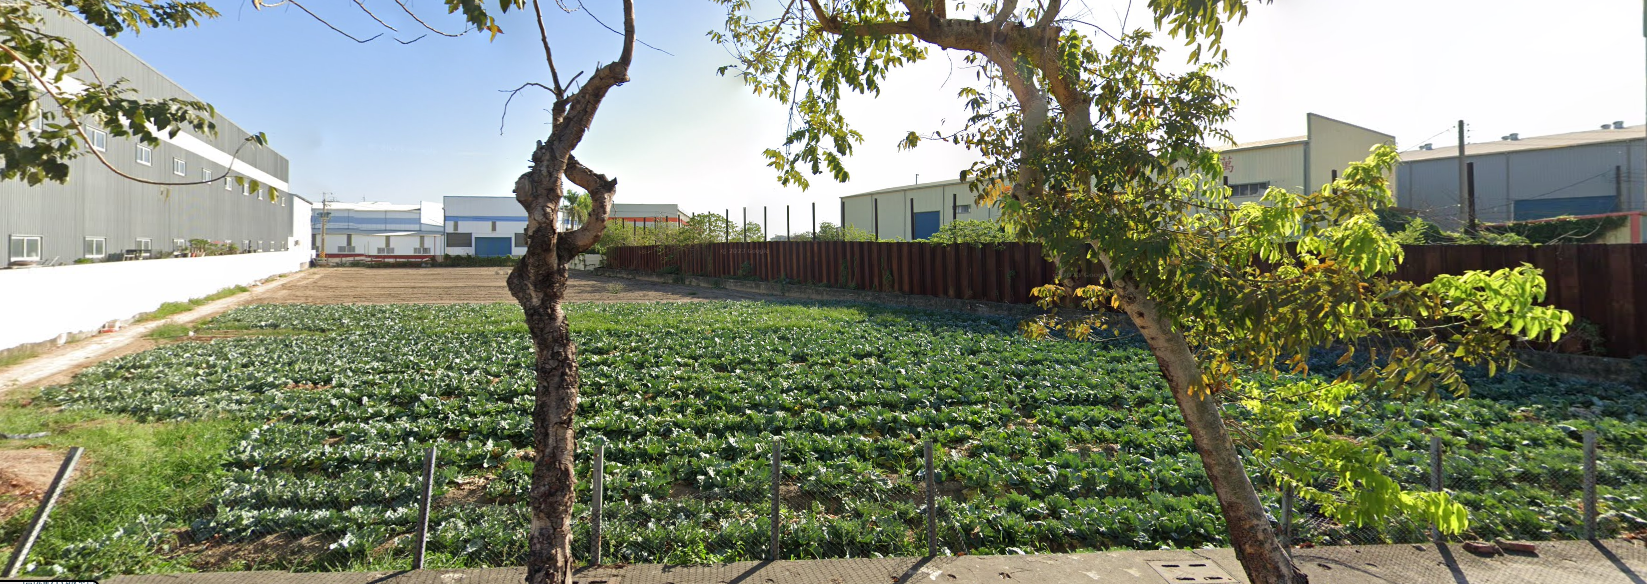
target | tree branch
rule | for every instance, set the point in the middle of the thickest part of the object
(80, 129)
(548, 55)
(425, 24)
(600, 189)
(261, 5)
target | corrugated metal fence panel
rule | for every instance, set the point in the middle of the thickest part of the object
(1601, 283)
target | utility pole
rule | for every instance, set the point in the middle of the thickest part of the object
(325, 217)
(1465, 203)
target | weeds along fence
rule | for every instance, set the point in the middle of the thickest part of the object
(786, 499)
(1601, 283)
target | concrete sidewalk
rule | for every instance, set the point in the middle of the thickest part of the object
(1576, 562)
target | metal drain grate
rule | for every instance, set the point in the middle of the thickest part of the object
(1191, 571)
(598, 580)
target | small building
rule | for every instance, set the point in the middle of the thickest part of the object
(1315, 158)
(485, 226)
(915, 211)
(373, 231)
(1538, 177)
(1299, 163)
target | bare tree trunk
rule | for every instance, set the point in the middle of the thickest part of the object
(1255, 543)
(539, 282)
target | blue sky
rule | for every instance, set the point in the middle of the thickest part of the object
(383, 121)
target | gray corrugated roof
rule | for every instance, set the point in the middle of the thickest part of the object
(1262, 143)
(1530, 143)
(941, 183)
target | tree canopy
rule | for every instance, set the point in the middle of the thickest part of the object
(1112, 167)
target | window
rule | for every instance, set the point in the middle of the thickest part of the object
(38, 123)
(145, 244)
(349, 239)
(179, 168)
(25, 247)
(961, 209)
(100, 140)
(1249, 189)
(206, 174)
(245, 187)
(520, 240)
(494, 227)
(180, 246)
(228, 183)
(96, 247)
(460, 240)
(145, 155)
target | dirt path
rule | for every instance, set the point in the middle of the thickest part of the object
(347, 286)
(457, 285)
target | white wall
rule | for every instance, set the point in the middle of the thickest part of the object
(41, 303)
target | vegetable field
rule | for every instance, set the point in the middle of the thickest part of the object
(1041, 445)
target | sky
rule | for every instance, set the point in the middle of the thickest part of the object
(385, 121)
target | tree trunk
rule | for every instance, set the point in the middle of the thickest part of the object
(539, 283)
(1255, 543)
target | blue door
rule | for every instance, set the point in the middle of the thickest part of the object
(926, 224)
(492, 247)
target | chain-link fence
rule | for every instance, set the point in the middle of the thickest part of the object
(1585, 492)
(443, 507)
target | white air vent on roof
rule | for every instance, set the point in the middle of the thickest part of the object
(1427, 146)
(1618, 125)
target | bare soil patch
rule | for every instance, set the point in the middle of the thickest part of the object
(463, 285)
(24, 477)
(270, 551)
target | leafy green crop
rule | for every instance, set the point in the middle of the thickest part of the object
(690, 397)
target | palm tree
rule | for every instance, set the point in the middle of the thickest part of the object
(576, 207)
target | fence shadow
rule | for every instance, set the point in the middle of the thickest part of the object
(1617, 563)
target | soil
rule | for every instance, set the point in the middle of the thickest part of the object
(271, 551)
(24, 477)
(460, 285)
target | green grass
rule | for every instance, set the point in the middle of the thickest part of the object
(131, 474)
(169, 309)
(19, 355)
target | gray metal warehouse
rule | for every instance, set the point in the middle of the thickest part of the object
(100, 216)
(1539, 177)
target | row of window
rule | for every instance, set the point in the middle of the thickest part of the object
(27, 247)
(145, 157)
(387, 249)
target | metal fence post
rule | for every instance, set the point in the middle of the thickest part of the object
(597, 501)
(1286, 516)
(423, 509)
(1435, 481)
(1589, 484)
(777, 477)
(46, 503)
(931, 505)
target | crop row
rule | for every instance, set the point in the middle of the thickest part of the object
(1042, 445)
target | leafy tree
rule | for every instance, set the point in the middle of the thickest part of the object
(1110, 170)
(831, 232)
(45, 79)
(1409, 229)
(577, 206)
(970, 231)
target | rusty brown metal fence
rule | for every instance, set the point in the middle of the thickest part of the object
(995, 273)
(1601, 283)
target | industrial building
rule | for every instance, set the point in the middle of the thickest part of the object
(1519, 179)
(372, 231)
(98, 216)
(496, 226)
(1313, 159)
